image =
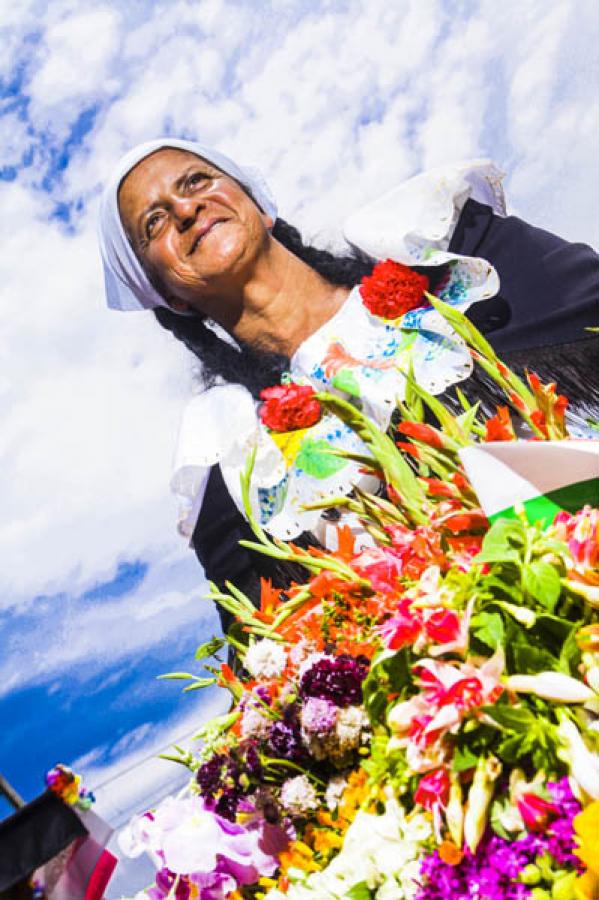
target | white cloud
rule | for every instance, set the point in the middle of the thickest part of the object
(89, 641)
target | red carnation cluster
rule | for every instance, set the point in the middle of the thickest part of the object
(288, 407)
(393, 290)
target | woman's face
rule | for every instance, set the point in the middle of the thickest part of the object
(193, 228)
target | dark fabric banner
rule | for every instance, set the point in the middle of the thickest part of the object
(35, 834)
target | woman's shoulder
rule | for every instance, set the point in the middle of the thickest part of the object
(422, 211)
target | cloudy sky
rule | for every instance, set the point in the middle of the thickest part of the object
(336, 101)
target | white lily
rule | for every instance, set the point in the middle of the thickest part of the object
(583, 763)
(487, 772)
(551, 686)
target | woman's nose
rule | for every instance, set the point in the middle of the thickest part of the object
(184, 211)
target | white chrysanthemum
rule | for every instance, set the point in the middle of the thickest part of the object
(265, 659)
(352, 722)
(334, 791)
(298, 795)
(253, 723)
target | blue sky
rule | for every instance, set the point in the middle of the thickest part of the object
(336, 102)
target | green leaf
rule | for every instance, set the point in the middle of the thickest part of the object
(199, 684)
(502, 541)
(542, 581)
(345, 380)
(359, 891)
(315, 459)
(397, 471)
(528, 659)
(176, 676)
(209, 648)
(569, 658)
(488, 628)
(516, 718)
(390, 673)
(463, 759)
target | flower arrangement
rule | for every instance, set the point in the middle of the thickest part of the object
(419, 718)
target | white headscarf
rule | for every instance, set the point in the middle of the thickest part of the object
(127, 285)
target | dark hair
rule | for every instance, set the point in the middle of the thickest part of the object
(251, 365)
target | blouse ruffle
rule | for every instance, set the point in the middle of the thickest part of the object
(355, 354)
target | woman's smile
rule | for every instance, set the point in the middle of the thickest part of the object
(206, 228)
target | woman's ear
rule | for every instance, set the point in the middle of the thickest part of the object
(268, 221)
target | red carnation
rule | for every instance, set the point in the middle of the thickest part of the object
(393, 289)
(288, 407)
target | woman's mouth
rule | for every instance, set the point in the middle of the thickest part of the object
(205, 229)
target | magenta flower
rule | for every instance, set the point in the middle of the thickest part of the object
(535, 811)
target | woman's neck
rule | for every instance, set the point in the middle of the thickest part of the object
(284, 302)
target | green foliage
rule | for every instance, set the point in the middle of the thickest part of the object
(389, 674)
(488, 628)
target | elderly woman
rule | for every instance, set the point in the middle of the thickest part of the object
(187, 232)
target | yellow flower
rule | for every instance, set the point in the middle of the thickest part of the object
(327, 840)
(298, 856)
(586, 887)
(586, 826)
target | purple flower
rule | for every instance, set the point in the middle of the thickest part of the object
(492, 872)
(202, 850)
(335, 678)
(210, 775)
(285, 739)
(318, 716)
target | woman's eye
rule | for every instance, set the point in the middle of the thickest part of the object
(152, 224)
(196, 179)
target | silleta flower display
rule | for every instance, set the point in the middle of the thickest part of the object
(419, 717)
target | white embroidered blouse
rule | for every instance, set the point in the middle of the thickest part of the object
(355, 354)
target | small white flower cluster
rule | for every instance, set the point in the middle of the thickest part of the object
(298, 795)
(265, 659)
(334, 791)
(352, 727)
(382, 852)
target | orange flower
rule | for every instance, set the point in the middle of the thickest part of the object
(426, 434)
(270, 601)
(450, 854)
(298, 856)
(499, 427)
(474, 520)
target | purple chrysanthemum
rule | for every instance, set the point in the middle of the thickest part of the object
(335, 678)
(285, 739)
(318, 716)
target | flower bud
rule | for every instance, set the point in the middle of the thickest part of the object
(522, 614)
(583, 764)
(454, 812)
(588, 592)
(479, 799)
(530, 874)
(551, 686)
